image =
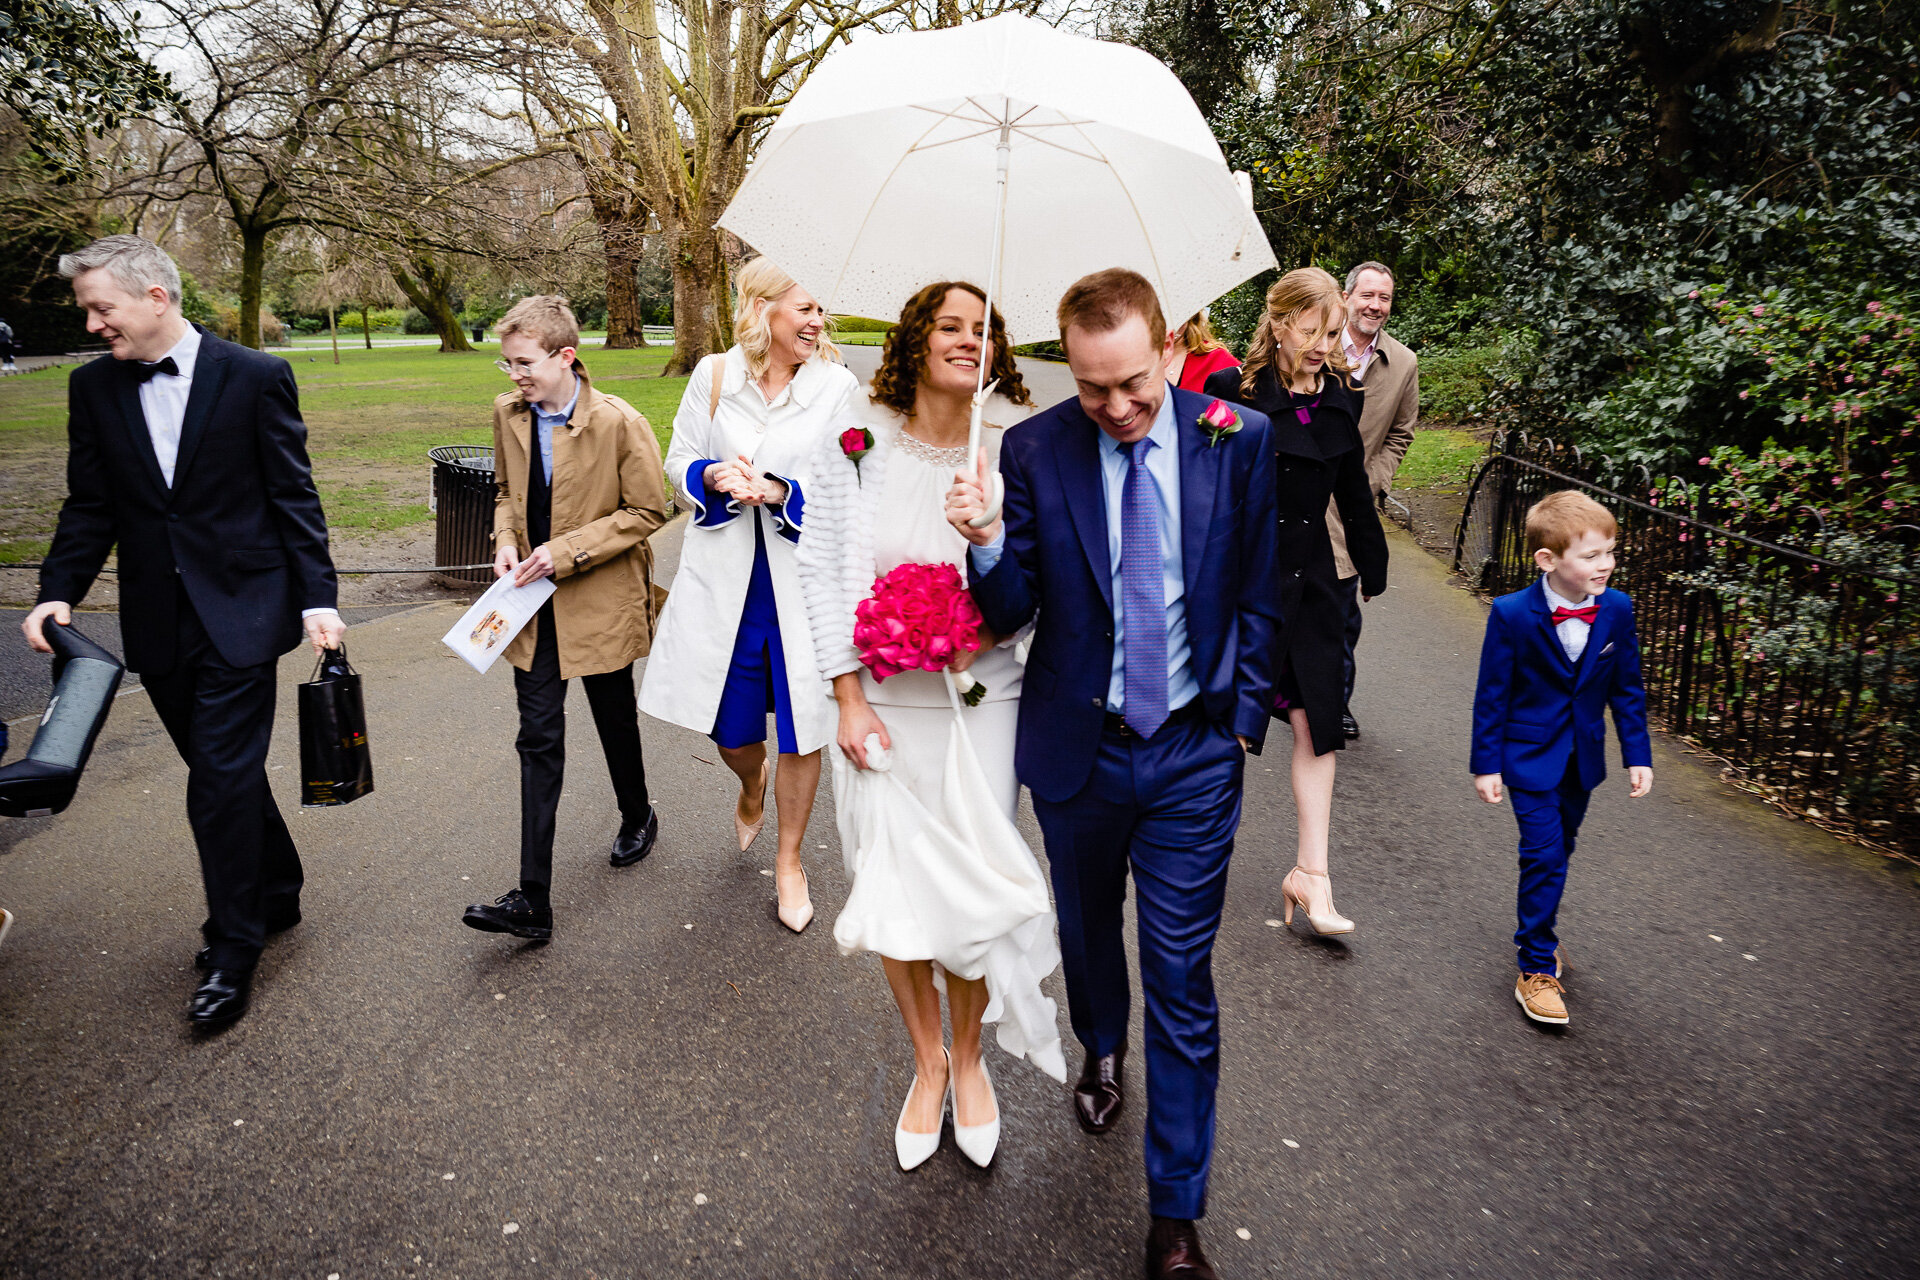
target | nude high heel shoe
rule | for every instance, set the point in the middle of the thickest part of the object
(749, 832)
(1313, 892)
(977, 1142)
(914, 1149)
(800, 914)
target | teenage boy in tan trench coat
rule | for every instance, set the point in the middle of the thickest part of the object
(581, 489)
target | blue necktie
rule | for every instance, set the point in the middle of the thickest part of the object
(1143, 588)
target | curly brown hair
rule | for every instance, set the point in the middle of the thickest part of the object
(904, 357)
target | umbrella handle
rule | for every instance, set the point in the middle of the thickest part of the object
(996, 494)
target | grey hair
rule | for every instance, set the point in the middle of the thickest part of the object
(135, 263)
(1353, 276)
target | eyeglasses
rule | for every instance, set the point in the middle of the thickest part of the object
(522, 367)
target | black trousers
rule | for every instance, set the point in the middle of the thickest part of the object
(220, 718)
(543, 750)
(1350, 619)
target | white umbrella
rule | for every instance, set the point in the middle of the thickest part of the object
(1003, 152)
(880, 175)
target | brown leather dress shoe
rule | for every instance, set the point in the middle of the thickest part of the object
(1098, 1096)
(1173, 1252)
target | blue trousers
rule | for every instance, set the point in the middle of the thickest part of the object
(1549, 822)
(1168, 809)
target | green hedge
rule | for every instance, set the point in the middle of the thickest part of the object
(861, 324)
(1455, 382)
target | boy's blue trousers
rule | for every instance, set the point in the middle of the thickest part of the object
(1549, 822)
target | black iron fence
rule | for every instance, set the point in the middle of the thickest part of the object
(1797, 667)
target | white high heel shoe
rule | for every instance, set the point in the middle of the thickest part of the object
(1313, 893)
(800, 914)
(977, 1142)
(914, 1149)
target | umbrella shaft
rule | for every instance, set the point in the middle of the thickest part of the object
(1002, 155)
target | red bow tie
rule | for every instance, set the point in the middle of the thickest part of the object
(1585, 613)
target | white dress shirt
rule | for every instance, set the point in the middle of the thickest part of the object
(1573, 632)
(163, 403)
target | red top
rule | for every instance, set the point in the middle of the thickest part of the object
(1194, 374)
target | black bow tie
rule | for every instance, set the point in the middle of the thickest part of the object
(143, 371)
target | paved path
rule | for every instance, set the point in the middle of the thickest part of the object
(678, 1087)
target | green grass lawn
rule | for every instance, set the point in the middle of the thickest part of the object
(371, 420)
(1439, 456)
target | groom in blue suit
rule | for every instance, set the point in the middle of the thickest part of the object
(1147, 545)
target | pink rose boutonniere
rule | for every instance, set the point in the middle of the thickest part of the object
(1219, 421)
(856, 443)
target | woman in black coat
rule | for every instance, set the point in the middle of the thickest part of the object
(1296, 374)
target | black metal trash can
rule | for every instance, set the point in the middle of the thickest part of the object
(463, 496)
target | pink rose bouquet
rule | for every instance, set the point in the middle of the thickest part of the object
(918, 617)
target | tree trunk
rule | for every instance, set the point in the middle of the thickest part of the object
(702, 323)
(622, 218)
(626, 327)
(366, 326)
(253, 265)
(429, 294)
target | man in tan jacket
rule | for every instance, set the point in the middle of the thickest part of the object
(581, 488)
(1389, 374)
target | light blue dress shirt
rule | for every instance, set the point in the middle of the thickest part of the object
(546, 423)
(1163, 467)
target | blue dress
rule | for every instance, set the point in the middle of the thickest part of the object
(757, 676)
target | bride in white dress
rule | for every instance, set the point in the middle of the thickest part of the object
(945, 889)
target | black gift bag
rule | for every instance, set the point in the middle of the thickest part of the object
(85, 678)
(336, 766)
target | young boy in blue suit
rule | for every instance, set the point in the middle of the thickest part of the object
(1558, 653)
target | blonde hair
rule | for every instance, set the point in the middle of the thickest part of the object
(1196, 336)
(1301, 290)
(1554, 522)
(759, 285)
(544, 317)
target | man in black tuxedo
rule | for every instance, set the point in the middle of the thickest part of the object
(188, 453)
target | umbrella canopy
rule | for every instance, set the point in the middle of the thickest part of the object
(882, 175)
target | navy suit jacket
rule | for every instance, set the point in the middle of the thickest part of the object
(1056, 564)
(1534, 709)
(241, 529)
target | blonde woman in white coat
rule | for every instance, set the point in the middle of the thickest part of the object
(734, 643)
(944, 887)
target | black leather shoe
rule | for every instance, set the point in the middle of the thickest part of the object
(1098, 1097)
(221, 998)
(1348, 725)
(512, 913)
(1173, 1252)
(635, 840)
